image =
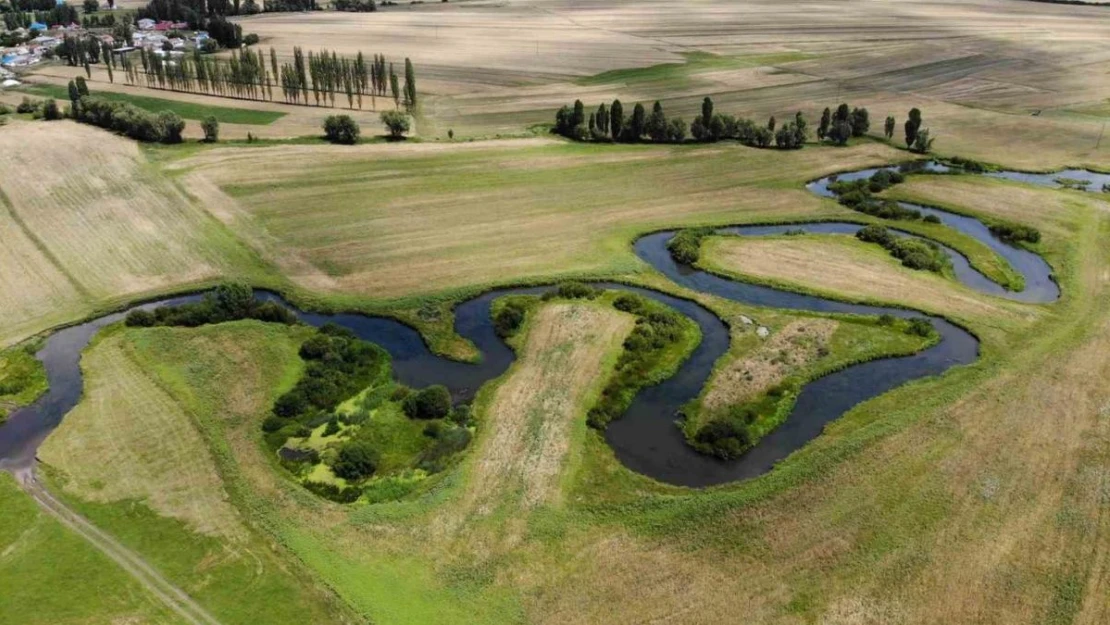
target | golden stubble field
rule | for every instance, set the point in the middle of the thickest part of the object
(87, 220)
(1018, 67)
(390, 221)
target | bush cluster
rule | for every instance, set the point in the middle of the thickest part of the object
(656, 329)
(969, 165)
(508, 320)
(338, 366)
(357, 460)
(1015, 232)
(685, 245)
(449, 440)
(229, 302)
(130, 120)
(914, 253)
(572, 290)
(725, 438)
(341, 129)
(27, 105)
(433, 402)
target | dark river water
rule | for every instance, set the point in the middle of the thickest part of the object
(646, 438)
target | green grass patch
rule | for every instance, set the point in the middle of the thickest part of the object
(22, 378)
(51, 575)
(695, 63)
(187, 110)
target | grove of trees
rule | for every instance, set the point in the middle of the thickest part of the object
(610, 124)
(314, 78)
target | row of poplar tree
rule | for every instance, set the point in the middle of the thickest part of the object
(316, 78)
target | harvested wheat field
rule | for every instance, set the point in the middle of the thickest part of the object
(92, 222)
(390, 222)
(840, 264)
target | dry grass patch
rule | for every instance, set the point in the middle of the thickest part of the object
(531, 416)
(88, 220)
(129, 440)
(840, 266)
(1051, 211)
(790, 348)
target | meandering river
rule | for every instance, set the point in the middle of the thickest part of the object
(645, 439)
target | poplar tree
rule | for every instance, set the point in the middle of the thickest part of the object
(410, 85)
(616, 120)
(394, 87)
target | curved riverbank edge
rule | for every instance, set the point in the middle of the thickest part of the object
(645, 439)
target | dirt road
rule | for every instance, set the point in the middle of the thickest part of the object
(174, 598)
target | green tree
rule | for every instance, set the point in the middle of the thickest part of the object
(341, 129)
(922, 142)
(578, 114)
(74, 94)
(394, 87)
(676, 130)
(433, 402)
(211, 128)
(602, 118)
(82, 86)
(357, 460)
(823, 126)
(771, 124)
(396, 122)
(706, 111)
(637, 122)
(50, 110)
(656, 124)
(616, 120)
(840, 132)
(91, 6)
(888, 127)
(913, 124)
(861, 122)
(410, 85)
(172, 126)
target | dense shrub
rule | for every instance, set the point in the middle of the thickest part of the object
(657, 328)
(341, 129)
(129, 120)
(969, 165)
(357, 460)
(433, 402)
(338, 365)
(685, 246)
(724, 438)
(507, 320)
(920, 327)
(229, 302)
(211, 128)
(573, 290)
(396, 122)
(914, 253)
(449, 440)
(333, 492)
(28, 105)
(50, 110)
(1015, 232)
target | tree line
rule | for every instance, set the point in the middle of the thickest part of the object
(316, 78)
(610, 124)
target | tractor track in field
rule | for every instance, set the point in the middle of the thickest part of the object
(172, 596)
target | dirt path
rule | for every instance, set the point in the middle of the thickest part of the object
(174, 598)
